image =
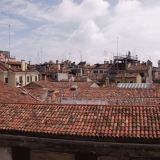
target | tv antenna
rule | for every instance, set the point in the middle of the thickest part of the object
(9, 39)
(105, 55)
(80, 55)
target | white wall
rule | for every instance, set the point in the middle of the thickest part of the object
(5, 154)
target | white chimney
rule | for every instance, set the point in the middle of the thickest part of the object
(81, 72)
(23, 65)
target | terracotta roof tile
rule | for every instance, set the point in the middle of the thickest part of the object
(127, 75)
(83, 120)
(139, 67)
(3, 68)
(52, 85)
(14, 63)
(13, 95)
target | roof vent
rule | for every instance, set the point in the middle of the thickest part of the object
(23, 92)
(74, 87)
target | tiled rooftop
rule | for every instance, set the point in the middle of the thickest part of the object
(9, 94)
(3, 68)
(61, 85)
(82, 120)
(127, 75)
(139, 67)
(20, 70)
(112, 95)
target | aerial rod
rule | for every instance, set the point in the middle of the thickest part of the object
(117, 46)
(9, 38)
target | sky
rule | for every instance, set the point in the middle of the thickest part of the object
(87, 30)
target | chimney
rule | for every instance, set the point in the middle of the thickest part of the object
(110, 61)
(23, 66)
(105, 62)
(81, 71)
(58, 65)
(26, 66)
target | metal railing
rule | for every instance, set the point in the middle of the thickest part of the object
(126, 56)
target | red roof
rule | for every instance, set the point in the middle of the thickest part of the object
(13, 95)
(3, 68)
(128, 75)
(82, 120)
(139, 67)
(14, 63)
(20, 70)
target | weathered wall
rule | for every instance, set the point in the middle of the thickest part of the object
(41, 155)
(128, 79)
(139, 79)
(43, 149)
(5, 153)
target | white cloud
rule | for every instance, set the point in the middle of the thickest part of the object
(91, 26)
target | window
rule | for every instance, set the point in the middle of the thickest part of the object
(27, 78)
(19, 153)
(31, 78)
(6, 80)
(95, 71)
(101, 71)
(20, 79)
(55, 76)
(118, 82)
(35, 78)
(85, 156)
(131, 82)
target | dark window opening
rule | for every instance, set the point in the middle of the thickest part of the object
(101, 71)
(27, 78)
(95, 71)
(131, 81)
(19, 153)
(35, 78)
(6, 80)
(118, 82)
(85, 156)
(20, 79)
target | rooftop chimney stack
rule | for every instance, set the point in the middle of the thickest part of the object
(58, 65)
(23, 65)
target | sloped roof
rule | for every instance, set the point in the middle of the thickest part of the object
(100, 66)
(52, 85)
(3, 68)
(14, 63)
(13, 95)
(139, 67)
(129, 75)
(82, 120)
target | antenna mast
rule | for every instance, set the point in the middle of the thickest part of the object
(117, 47)
(80, 55)
(117, 53)
(9, 38)
(41, 55)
